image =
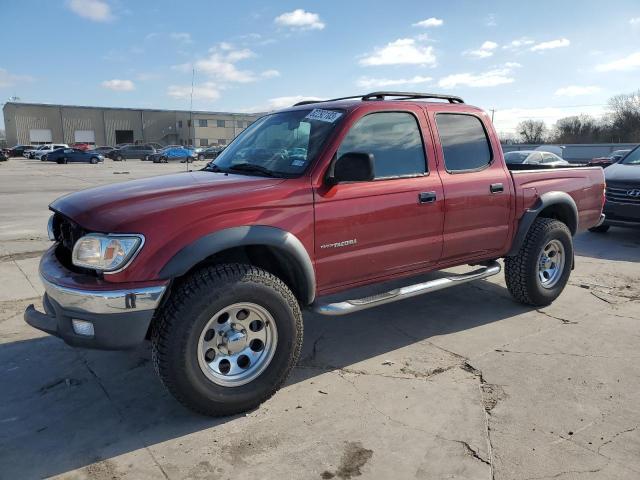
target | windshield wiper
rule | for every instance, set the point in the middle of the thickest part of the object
(212, 167)
(252, 167)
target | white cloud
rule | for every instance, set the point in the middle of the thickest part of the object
(518, 43)
(490, 20)
(368, 82)
(220, 64)
(429, 22)
(270, 74)
(490, 78)
(95, 10)
(119, 85)
(401, 51)
(635, 22)
(485, 50)
(300, 19)
(625, 64)
(204, 91)
(183, 37)
(559, 43)
(513, 65)
(576, 90)
(9, 79)
(278, 103)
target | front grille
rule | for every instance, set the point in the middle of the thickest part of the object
(620, 194)
(67, 233)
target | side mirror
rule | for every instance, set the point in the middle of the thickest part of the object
(352, 167)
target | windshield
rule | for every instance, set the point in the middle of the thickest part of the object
(633, 158)
(516, 157)
(280, 144)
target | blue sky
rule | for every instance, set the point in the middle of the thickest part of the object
(543, 59)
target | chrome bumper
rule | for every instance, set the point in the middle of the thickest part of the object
(601, 221)
(105, 301)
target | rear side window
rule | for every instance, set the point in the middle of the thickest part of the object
(393, 138)
(465, 145)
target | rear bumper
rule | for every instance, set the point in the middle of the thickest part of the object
(120, 317)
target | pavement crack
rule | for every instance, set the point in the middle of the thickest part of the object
(469, 450)
(553, 354)
(563, 320)
(616, 436)
(565, 472)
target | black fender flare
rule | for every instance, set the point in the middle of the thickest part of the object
(548, 199)
(216, 242)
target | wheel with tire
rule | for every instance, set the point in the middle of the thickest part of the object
(227, 339)
(201, 157)
(44, 158)
(93, 160)
(600, 229)
(65, 160)
(539, 272)
(118, 158)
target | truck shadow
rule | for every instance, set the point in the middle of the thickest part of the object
(620, 244)
(63, 409)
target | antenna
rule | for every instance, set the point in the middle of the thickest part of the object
(193, 77)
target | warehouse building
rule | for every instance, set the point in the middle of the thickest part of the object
(36, 124)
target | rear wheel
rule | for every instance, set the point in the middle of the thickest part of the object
(539, 272)
(227, 339)
(600, 229)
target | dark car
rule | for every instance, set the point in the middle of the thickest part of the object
(103, 150)
(73, 155)
(210, 153)
(4, 156)
(18, 150)
(142, 152)
(173, 153)
(604, 162)
(622, 204)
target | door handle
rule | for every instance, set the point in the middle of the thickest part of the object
(427, 197)
(496, 188)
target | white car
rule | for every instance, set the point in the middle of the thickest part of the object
(534, 157)
(31, 151)
(48, 149)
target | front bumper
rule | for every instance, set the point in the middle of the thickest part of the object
(120, 317)
(622, 214)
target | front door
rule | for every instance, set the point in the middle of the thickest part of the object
(392, 224)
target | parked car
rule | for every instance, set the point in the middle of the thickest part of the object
(4, 155)
(46, 149)
(142, 152)
(82, 146)
(215, 266)
(622, 205)
(18, 150)
(531, 157)
(210, 153)
(105, 150)
(173, 153)
(604, 162)
(30, 152)
(73, 155)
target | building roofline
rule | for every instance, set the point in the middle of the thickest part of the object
(58, 105)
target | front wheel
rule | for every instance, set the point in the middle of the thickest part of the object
(201, 157)
(227, 339)
(93, 160)
(539, 272)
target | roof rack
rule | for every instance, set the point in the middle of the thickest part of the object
(382, 94)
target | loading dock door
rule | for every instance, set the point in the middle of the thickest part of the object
(84, 136)
(40, 136)
(124, 136)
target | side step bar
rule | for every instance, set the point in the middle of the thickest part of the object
(355, 305)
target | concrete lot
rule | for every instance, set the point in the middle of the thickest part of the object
(463, 383)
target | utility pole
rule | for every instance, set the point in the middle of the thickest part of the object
(192, 126)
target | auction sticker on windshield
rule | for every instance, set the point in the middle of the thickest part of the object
(328, 116)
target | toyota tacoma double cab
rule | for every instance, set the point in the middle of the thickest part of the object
(215, 266)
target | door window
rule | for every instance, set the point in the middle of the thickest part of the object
(394, 140)
(465, 145)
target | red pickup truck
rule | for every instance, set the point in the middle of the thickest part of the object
(215, 266)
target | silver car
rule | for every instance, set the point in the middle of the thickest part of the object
(534, 157)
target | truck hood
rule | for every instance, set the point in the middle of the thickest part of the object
(120, 206)
(621, 173)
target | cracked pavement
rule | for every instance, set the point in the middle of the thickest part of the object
(462, 383)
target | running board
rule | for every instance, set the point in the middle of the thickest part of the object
(355, 305)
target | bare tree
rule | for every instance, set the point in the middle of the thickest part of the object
(532, 131)
(624, 112)
(579, 129)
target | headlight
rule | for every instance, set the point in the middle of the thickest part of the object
(105, 253)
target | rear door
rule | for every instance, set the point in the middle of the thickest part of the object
(477, 185)
(392, 224)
